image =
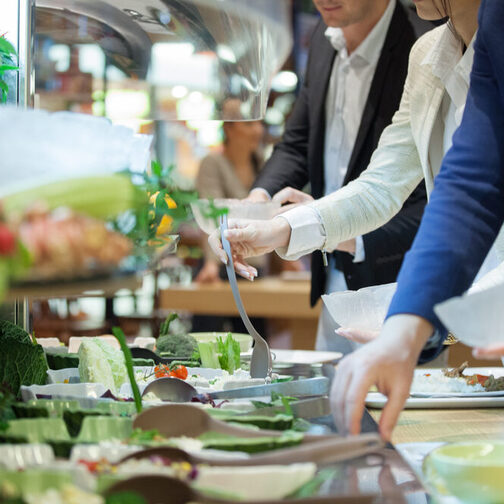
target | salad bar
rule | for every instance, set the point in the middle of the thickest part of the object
(86, 427)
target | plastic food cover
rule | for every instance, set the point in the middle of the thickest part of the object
(175, 59)
(39, 147)
(364, 309)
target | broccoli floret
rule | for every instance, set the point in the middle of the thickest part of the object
(176, 345)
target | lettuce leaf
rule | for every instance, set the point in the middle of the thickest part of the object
(21, 362)
(208, 355)
(229, 357)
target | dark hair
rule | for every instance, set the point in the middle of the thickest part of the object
(446, 11)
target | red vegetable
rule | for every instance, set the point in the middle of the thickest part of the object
(179, 372)
(162, 371)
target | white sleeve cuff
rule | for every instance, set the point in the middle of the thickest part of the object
(307, 232)
(260, 189)
(360, 252)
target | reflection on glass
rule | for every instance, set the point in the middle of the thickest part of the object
(159, 59)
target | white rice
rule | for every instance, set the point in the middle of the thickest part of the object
(438, 382)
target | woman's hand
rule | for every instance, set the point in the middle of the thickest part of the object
(209, 273)
(292, 196)
(250, 238)
(357, 335)
(387, 362)
(495, 351)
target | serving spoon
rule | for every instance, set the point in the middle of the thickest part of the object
(175, 390)
(260, 363)
(167, 490)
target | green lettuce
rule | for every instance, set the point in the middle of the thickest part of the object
(21, 362)
(229, 350)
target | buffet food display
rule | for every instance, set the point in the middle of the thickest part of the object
(70, 434)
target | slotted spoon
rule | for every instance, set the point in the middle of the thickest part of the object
(260, 363)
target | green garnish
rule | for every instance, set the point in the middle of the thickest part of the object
(230, 353)
(117, 332)
(143, 436)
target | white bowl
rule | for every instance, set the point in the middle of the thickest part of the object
(238, 209)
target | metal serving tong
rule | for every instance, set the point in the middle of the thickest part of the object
(260, 363)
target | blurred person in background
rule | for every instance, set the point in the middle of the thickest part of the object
(354, 81)
(229, 175)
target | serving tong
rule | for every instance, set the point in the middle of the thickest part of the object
(261, 363)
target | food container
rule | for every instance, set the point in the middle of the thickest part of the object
(473, 471)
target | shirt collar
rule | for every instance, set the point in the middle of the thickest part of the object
(446, 57)
(370, 49)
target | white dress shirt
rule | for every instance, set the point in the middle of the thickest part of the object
(346, 98)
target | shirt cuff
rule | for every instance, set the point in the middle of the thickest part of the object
(307, 233)
(360, 251)
(260, 189)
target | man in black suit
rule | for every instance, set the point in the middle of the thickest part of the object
(353, 85)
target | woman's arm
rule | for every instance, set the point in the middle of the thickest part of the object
(378, 194)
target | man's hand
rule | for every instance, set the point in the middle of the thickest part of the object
(292, 196)
(495, 351)
(387, 362)
(257, 196)
(250, 238)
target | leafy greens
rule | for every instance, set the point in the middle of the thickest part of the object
(21, 362)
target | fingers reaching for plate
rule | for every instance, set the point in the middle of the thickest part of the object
(388, 361)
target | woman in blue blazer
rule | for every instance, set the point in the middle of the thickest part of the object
(459, 226)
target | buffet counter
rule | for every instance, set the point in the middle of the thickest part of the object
(272, 298)
(446, 425)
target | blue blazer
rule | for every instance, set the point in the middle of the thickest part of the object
(466, 208)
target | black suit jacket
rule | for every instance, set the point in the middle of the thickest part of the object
(299, 158)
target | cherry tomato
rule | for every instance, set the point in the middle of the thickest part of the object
(161, 371)
(179, 372)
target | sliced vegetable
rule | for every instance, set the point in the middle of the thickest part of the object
(208, 355)
(218, 441)
(103, 197)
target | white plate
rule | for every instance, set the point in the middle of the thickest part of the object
(378, 401)
(55, 376)
(448, 400)
(63, 391)
(304, 356)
